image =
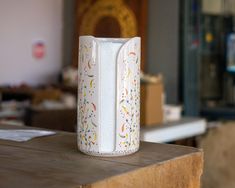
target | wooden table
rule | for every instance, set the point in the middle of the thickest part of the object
(55, 162)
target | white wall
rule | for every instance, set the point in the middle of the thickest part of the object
(21, 24)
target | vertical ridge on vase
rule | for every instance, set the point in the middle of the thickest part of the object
(107, 60)
(88, 103)
(128, 99)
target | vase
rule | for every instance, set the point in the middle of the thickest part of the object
(108, 96)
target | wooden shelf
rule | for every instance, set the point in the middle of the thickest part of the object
(185, 128)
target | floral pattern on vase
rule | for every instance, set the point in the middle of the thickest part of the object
(127, 97)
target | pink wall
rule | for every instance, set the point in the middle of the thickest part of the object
(21, 24)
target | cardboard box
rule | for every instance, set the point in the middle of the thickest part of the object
(151, 104)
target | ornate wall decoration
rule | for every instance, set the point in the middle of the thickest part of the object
(111, 18)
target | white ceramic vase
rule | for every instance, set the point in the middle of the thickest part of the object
(108, 96)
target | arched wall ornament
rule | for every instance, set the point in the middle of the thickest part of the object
(106, 8)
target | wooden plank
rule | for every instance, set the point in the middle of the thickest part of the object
(55, 161)
(48, 169)
(180, 173)
(66, 143)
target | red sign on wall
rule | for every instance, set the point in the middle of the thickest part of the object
(39, 50)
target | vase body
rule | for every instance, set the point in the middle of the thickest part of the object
(108, 96)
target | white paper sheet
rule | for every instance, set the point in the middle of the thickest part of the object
(21, 135)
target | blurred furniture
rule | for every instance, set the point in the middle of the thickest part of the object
(54, 161)
(174, 131)
(190, 44)
(33, 114)
(13, 102)
(19, 94)
(57, 119)
(207, 80)
(34, 95)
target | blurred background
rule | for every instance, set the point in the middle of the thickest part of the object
(187, 63)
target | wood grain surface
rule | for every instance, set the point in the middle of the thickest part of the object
(55, 161)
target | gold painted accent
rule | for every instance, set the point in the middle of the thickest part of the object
(83, 6)
(110, 8)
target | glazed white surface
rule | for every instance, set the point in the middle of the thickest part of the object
(108, 68)
(108, 95)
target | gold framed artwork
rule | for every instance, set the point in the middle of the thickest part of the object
(106, 18)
